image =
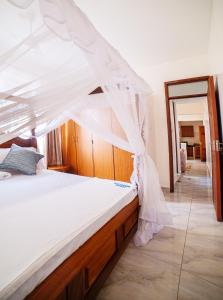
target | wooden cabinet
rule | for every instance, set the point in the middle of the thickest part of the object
(103, 159)
(88, 155)
(103, 151)
(123, 162)
(68, 137)
(190, 151)
(84, 144)
(197, 151)
(187, 131)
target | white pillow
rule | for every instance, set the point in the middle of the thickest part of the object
(3, 153)
(41, 165)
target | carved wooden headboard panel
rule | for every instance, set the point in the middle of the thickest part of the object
(31, 142)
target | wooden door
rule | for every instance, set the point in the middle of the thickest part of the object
(103, 159)
(103, 151)
(85, 164)
(214, 133)
(202, 143)
(72, 151)
(123, 160)
(68, 141)
(123, 164)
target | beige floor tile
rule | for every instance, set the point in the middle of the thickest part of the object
(140, 276)
(189, 251)
(195, 288)
(203, 257)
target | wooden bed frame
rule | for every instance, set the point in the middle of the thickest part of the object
(83, 273)
(21, 142)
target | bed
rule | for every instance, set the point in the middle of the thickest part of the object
(62, 240)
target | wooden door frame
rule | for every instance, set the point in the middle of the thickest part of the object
(169, 127)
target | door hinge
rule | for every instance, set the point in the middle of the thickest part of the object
(218, 146)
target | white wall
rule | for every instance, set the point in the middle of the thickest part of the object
(195, 107)
(156, 76)
(151, 32)
(162, 40)
(190, 110)
(215, 52)
(215, 55)
(211, 63)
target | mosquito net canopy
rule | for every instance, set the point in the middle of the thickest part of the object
(51, 60)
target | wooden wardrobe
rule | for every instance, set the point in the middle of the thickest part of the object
(88, 155)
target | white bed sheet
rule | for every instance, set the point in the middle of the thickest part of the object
(38, 233)
(22, 187)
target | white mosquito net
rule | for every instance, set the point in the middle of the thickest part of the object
(51, 59)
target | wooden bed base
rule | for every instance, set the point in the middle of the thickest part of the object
(81, 275)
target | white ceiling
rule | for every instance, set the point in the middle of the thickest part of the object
(152, 32)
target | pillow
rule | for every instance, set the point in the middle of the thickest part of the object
(21, 160)
(3, 153)
(41, 165)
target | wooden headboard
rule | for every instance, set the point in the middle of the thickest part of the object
(31, 142)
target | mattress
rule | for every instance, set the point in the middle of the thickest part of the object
(19, 188)
(45, 218)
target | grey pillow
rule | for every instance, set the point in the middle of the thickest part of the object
(21, 160)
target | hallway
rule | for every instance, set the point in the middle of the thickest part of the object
(184, 261)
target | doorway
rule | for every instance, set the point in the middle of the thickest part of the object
(192, 137)
(193, 132)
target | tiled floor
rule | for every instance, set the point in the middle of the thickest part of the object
(183, 261)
